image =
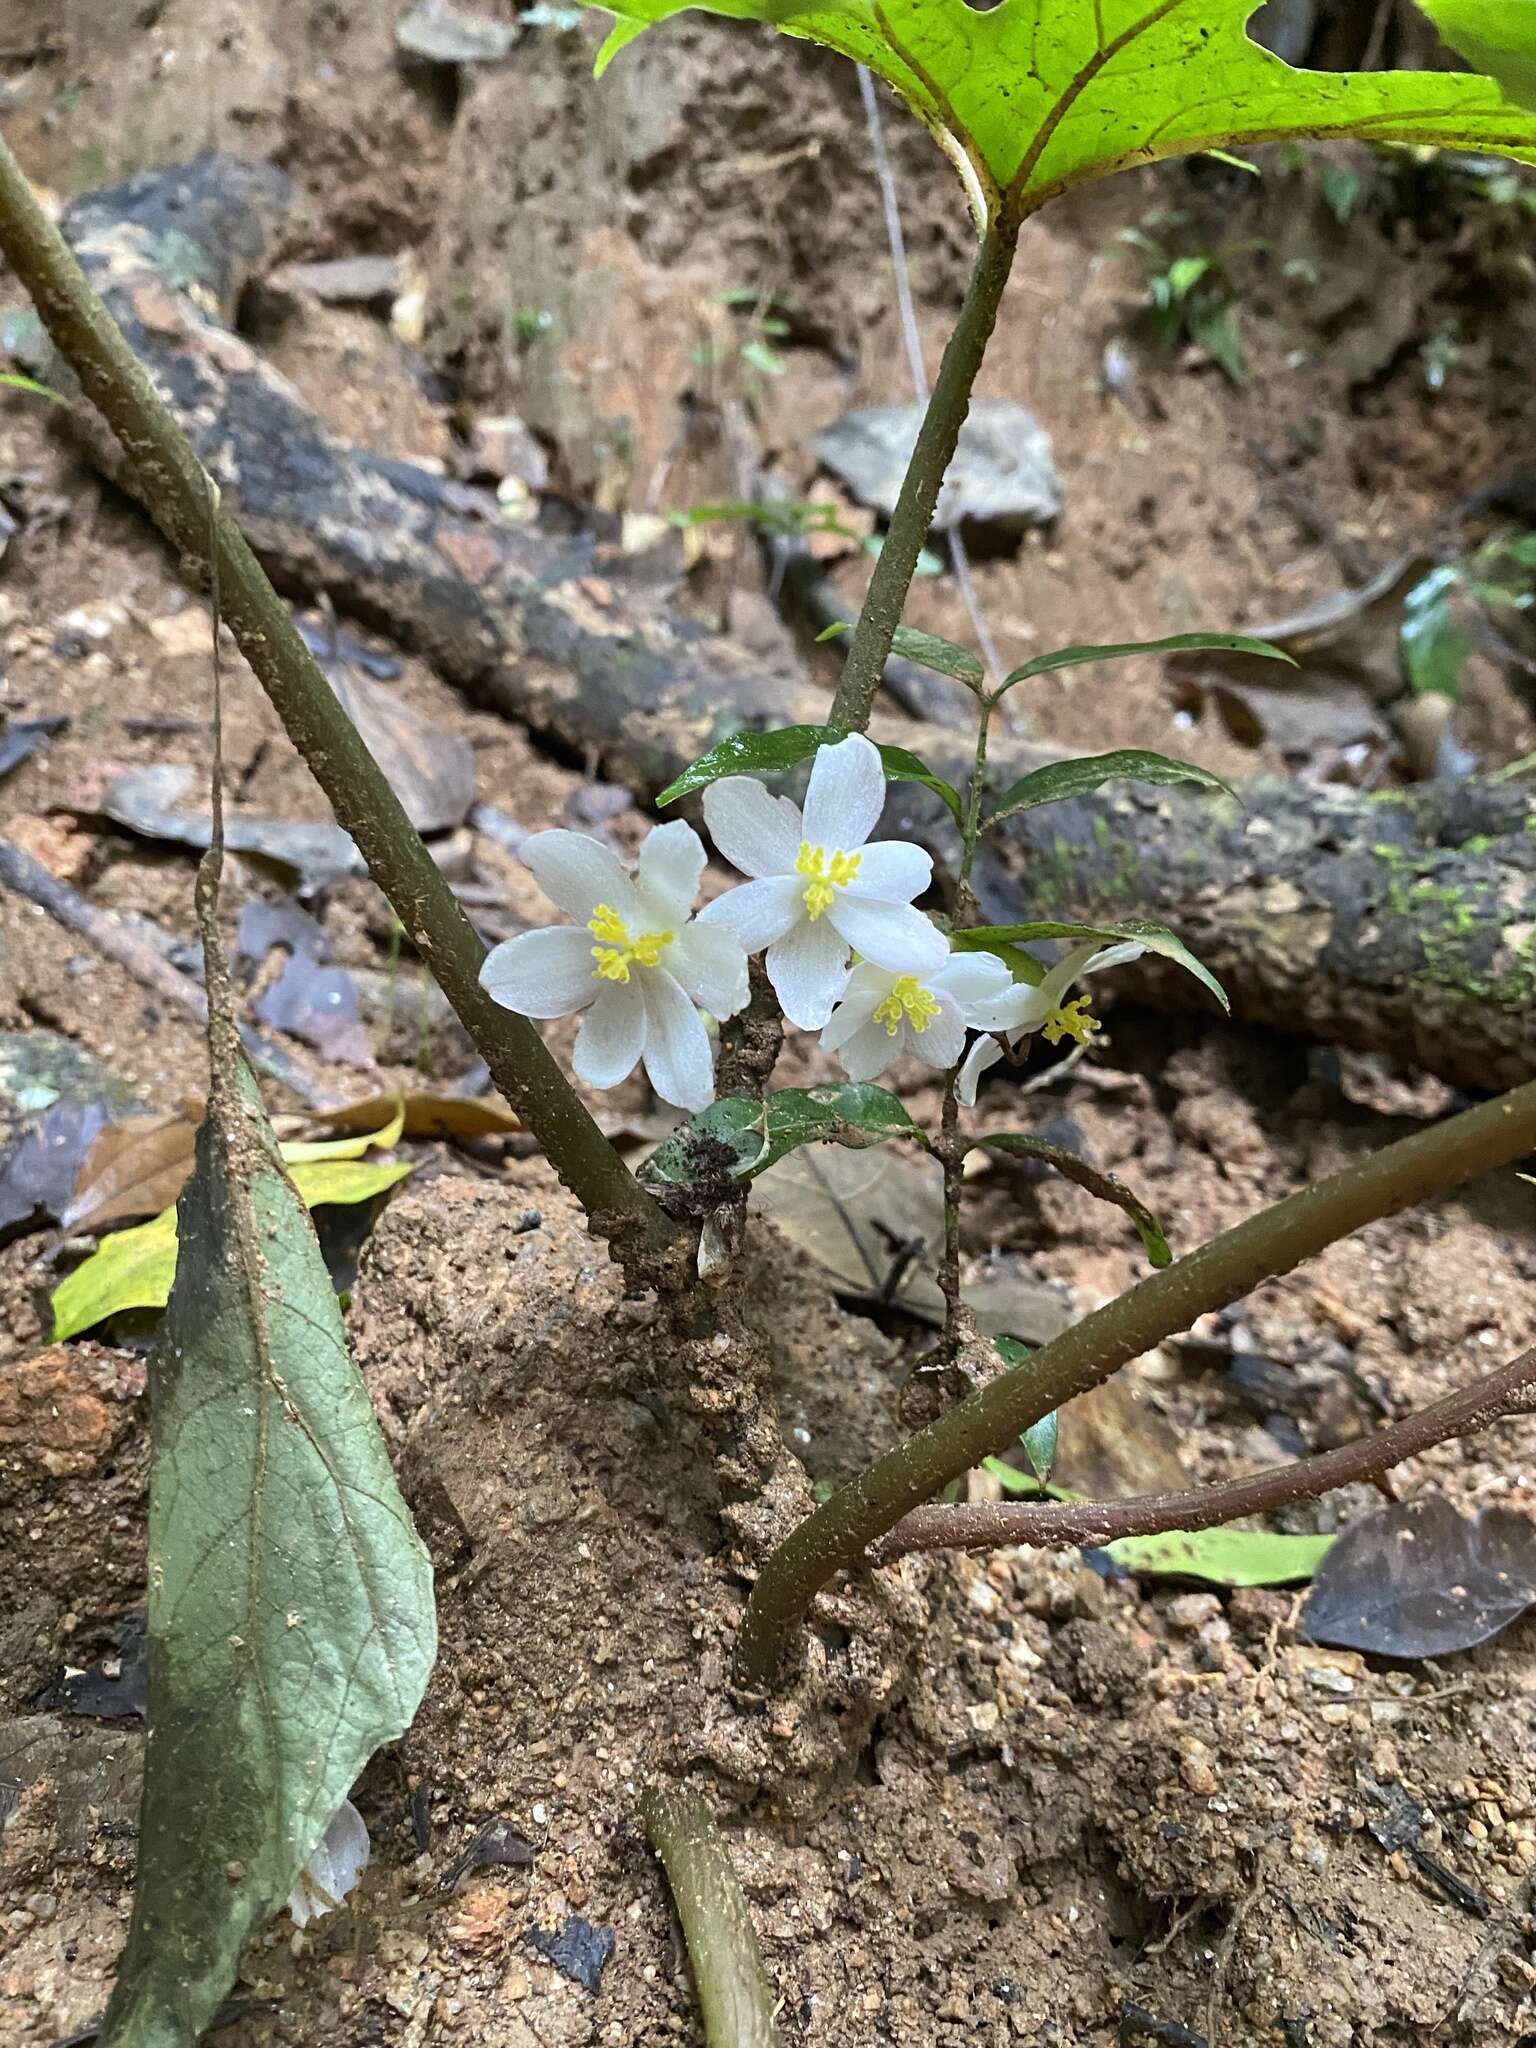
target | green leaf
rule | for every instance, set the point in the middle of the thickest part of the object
(1033, 97)
(11, 380)
(1214, 327)
(1226, 1557)
(1175, 643)
(1497, 37)
(1107, 1186)
(735, 1140)
(771, 753)
(927, 650)
(1433, 645)
(1039, 1440)
(1059, 780)
(993, 938)
(291, 1628)
(1341, 191)
(135, 1268)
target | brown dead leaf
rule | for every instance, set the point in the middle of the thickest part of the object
(426, 1115)
(133, 1168)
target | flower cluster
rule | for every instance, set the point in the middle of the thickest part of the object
(832, 912)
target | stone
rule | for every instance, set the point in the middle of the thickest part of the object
(1003, 474)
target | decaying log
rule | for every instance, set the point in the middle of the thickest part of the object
(1403, 922)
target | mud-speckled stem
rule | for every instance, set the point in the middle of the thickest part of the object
(1076, 1525)
(175, 488)
(931, 456)
(735, 1997)
(1220, 1272)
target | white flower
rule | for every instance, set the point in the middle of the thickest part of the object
(1030, 1007)
(635, 962)
(883, 1013)
(339, 1860)
(817, 888)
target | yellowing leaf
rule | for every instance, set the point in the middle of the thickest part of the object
(1034, 96)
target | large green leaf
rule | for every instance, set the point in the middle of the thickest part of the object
(291, 1627)
(135, 1268)
(735, 1140)
(771, 753)
(1058, 780)
(1495, 36)
(1119, 650)
(999, 938)
(1034, 96)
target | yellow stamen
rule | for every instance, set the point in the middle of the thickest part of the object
(1073, 1020)
(823, 879)
(908, 998)
(619, 951)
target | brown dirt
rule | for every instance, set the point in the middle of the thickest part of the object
(1004, 1797)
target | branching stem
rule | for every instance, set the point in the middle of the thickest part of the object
(1223, 1271)
(174, 487)
(735, 1997)
(1074, 1525)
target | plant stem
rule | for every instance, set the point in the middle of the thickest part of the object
(174, 487)
(935, 446)
(735, 1996)
(1075, 1525)
(952, 1149)
(1220, 1272)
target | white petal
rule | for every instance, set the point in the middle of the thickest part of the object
(1113, 956)
(942, 1039)
(677, 1054)
(868, 1052)
(578, 874)
(986, 1052)
(846, 794)
(758, 912)
(542, 974)
(1019, 1007)
(610, 1039)
(892, 871)
(758, 833)
(973, 978)
(891, 934)
(711, 964)
(866, 988)
(807, 969)
(671, 865)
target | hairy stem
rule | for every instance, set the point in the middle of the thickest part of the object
(940, 431)
(1075, 1525)
(173, 485)
(1220, 1272)
(735, 1996)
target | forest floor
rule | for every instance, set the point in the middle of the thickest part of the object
(1076, 1798)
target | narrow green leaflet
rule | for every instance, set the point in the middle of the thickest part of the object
(1431, 640)
(11, 380)
(135, 1268)
(1107, 1186)
(996, 938)
(735, 1140)
(1058, 780)
(1495, 36)
(771, 753)
(1039, 1440)
(1226, 1557)
(291, 1626)
(1035, 96)
(1176, 643)
(928, 650)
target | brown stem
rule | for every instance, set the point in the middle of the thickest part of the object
(952, 1149)
(1223, 1271)
(735, 1997)
(172, 483)
(751, 1041)
(1085, 1525)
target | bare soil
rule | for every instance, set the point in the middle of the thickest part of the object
(1004, 1799)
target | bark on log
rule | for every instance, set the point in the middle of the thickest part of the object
(1402, 922)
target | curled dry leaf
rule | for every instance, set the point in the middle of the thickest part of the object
(1419, 1579)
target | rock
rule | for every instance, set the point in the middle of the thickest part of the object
(441, 34)
(66, 1408)
(579, 1951)
(1003, 474)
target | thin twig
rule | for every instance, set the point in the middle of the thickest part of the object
(113, 939)
(912, 340)
(1261, 1248)
(174, 487)
(1088, 1525)
(735, 1997)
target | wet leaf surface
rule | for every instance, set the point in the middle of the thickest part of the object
(1419, 1579)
